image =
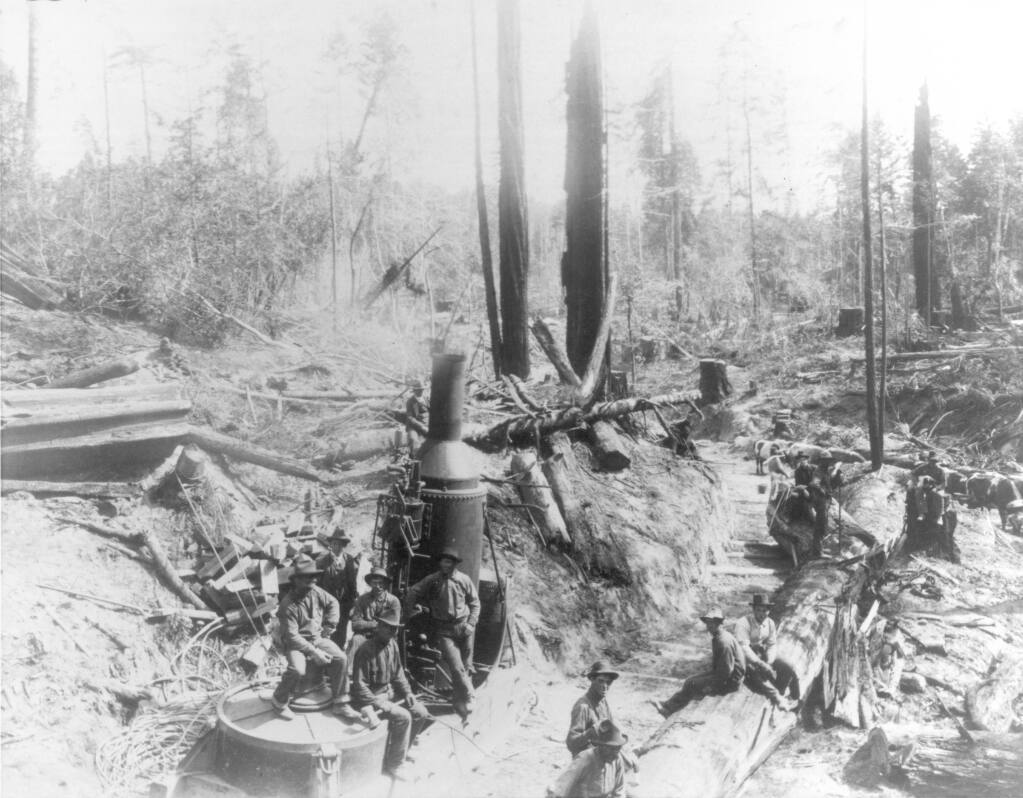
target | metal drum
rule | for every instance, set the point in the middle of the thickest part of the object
(316, 755)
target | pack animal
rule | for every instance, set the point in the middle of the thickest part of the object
(765, 448)
(1004, 490)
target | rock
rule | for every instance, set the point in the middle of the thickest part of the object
(912, 683)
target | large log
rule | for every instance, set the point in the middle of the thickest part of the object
(941, 354)
(555, 353)
(103, 490)
(593, 547)
(110, 370)
(246, 452)
(524, 429)
(28, 425)
(18, 287)
(75, 398)
(712, 746)
(990, 704)
(537, 495)
(608, 447)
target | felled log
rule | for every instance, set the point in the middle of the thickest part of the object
(555, 353)
(30, 425)
(111, 369)
(537, 495)
(850, 322)
(257, 455)
(18, 287)
(523, 429)
(608, 447)
(593, 548)
(941, 354)
(520, 388)
(989, 705)
(333, 396)
(74, 399)
(714, 384)
(358, 447)
(714, 744)
(99, 490)
(394, 272)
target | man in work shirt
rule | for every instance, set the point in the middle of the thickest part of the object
(379, 683)
(598, 772)
(454, 606)
(308, 616)
(757, 636)
(727, 671)
(416, 409)
(340, 578)
(590, 709)
(370, 606)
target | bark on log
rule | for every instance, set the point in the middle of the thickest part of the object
(358, 447)
(17, 287)
(29, 425)
(238, 450)
(608, 447)
(554, 353)
(53, 399)
(520, 387)
(946, 353)
(537, 495)
(524, 429)
(714, 744)
(102, 490)
(110, 370)
(714, 384)
(989, 705)
(593, 548)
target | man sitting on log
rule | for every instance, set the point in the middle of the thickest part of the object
(308, 616)
(369, 607)
(826, 480)
(379, 685)
(454, 607)
(757, 635)
(889, 660)
(590, 709)
(597, 772)
(340, 578)
(930, 468)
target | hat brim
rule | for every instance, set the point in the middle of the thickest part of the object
(706, 618)
(618, 742)
(612, 674)
(368, 578)
(766, 604)
(315, 572)
(447, 556)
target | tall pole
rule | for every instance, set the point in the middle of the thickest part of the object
(882, 394)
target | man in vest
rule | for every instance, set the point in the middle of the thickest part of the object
(340, 578)
(370, 606)
(757, 636)
(454, 606)
(590, 709)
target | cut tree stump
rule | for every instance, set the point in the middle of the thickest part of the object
(714, 384)
(989, 705)
(714, 744)
(595, 551)
(608, 447)
(850, 322)
(537, 495)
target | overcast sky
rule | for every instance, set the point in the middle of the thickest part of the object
(804, 56)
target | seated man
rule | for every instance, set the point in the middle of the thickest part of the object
(598, 772)
(369, 606)
(379, 683)
(728, 668)
(454, 608)
(308, 616)
(889, 660)
(757, 636)
(590, 709)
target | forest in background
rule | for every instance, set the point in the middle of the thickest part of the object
(216, 224)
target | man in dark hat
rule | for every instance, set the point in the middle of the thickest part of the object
(598, 772)
(591, 708)
(370, 606)
(727, 671)
(340, 578)
(416, 409)
(827, 479)
(379, 684)
(308, 616)
(930, 468)
(454, 606)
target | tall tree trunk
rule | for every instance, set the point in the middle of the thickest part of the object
(583, 262)
(32, 98)
(754, 274)
(110, 150)
(145, 113)
(512, 219)
(486, 258)
(333, 246)
(928, 295)
(868, 272)
(882, 394)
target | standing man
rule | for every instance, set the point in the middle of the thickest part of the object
(454, 606)
(598, 772)
(308, 616)
(370, 606)
(416, 409)
(728, 668)
(590, 709)
(340, 578)
(930, 468)
(826, 480)
(379, 683)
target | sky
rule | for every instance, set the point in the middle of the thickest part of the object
(803, 60)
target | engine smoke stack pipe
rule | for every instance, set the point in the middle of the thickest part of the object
(447, 397)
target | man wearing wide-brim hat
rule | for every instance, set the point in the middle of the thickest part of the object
(340, 577)
(591, 708)
(308, 616)
(416, 409)
(758, 637)
(598, 772)
(370, 606)
(454, 606)
(379, 685)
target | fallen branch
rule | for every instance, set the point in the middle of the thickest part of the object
(555, 353)
(239, 450)
(945, 354)
(591, 380)
(110, 370)
(394, 272)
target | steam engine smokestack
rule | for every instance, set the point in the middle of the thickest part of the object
(451, 480)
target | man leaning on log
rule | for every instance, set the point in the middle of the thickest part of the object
(727, 674)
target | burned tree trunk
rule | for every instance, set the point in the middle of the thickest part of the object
(928, 290)
(582, 265)
(511, 200)
(537, 494)
(714, 744)
(714, 384)
(850, 322)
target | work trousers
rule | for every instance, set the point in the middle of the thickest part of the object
(455, 642)
(340, 636)
(819, 501)
(403, 726)
(761, 683)
(336, 671)
(696, 687)
(358, 638)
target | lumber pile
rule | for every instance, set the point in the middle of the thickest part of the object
(714, 744)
